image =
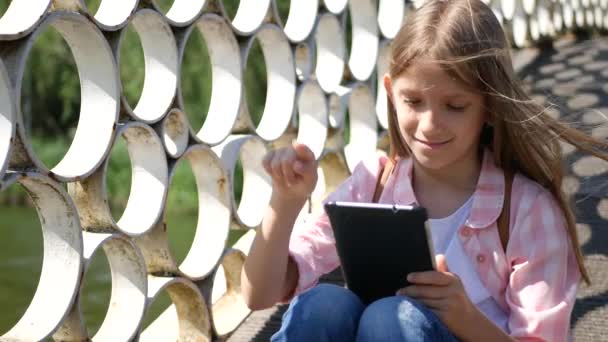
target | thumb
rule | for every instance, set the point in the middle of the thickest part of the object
(440, 262)
(303, 153)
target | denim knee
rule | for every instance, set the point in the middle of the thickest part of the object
(400, 318)
(323, 313)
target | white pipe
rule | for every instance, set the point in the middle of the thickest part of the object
(110, 16)
(364, 49)
(280, 91)
(312, 116)
(304, 54)
(187, 316)
(99, 94)
(300, 20)
(182, 12)
(249, 16)
(519, 26)
(128, 296)
(508, 8)
(174, 132)
(7, 119)
(257, 184)
(22, 17)
(331, 51)
(227, 77)
(161, 66)
(61, 260)
(391, 14)
(363, 125)
(335, 6)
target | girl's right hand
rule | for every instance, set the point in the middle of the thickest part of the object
(293, 170)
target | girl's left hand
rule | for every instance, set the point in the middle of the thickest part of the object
(443, 293)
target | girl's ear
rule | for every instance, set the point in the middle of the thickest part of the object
(388, 86)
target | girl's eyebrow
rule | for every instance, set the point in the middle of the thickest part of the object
(448, 95)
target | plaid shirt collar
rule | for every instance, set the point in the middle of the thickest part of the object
(488, 197)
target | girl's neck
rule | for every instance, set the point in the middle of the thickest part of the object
(443, 191)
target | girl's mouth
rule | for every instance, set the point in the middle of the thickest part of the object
(433, 144)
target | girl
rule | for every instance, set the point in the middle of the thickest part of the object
(458, 123)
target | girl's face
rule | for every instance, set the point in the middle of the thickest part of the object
(439, 118)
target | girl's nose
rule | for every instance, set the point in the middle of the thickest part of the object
(429, 119)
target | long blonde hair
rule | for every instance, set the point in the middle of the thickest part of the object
(467, 40)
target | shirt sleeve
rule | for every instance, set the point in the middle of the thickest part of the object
(312, 244)
(545, 276)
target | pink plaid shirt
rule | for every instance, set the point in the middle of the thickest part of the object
(534, 282)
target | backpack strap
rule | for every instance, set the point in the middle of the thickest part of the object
(503, 219)
(386, 171)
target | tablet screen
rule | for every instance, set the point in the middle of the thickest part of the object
(379, 244)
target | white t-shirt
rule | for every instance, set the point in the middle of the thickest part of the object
(446, 242)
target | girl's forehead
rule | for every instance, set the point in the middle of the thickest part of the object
(429, 75)
(414, 77)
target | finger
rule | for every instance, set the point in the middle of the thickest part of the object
(266, 162)
(277, 173)
(430, 278)
(423, 291)
(287, 169)
(303, 152)
(441, 263)
(433, 304)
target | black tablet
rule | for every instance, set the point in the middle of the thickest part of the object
(379, 244)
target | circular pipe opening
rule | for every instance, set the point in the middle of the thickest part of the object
(304, 57)
(182, 12)
(568, 16)
(110, 15)
(214, 215)
(62, 250)
(229, 308)
(335, 6)
(7, 119)
(331, 49)
(362, 122)
(312, 117)
(529, 6)
(161, 67)
(249, 15)
(391, 14)
(146, 198)
(301, 18)
(99, 90)
(508, 8)
(520, 27)
(149, 175)
(127, 300)
(364, 49)
(186, 318)
(21, 17)
(226, 71)
(175, 133)
(257, 188)
(280, 93)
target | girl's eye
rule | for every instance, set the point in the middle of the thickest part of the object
(457, 108)
(411, 101)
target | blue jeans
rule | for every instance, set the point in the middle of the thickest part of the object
(332, 313)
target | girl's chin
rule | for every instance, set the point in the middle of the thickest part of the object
(430, 162)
